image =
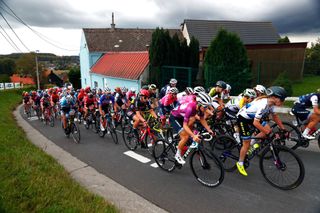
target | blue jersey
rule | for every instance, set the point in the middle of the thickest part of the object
(106, 100)
(311, 99)
(64, 103)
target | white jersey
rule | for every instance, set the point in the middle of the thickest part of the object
(234, 104)
(256, 109)
(180, 95)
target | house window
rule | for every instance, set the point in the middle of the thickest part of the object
(95, 84)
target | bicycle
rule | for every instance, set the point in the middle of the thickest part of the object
(72, 127)
(294, 139)
(91, 120)
(273, 159)
(109, 127)
(48, 116)
(205, 165)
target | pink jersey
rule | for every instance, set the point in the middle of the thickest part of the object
(185, 111)
(168, 99)
(186, 99)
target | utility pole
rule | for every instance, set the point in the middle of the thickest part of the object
(38, 81)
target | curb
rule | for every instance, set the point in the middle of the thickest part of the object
(124, 199)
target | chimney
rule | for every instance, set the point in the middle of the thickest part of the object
(113, 26)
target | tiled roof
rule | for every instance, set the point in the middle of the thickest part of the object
(105, 39)
(249, 32)
(127, 65)
(15, 78)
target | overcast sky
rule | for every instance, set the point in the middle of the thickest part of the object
(61, 20)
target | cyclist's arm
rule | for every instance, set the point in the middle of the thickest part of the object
(152, 112)
(140, 116)
(276, 119)
(257, 124)
(316, 110)
(205, 124)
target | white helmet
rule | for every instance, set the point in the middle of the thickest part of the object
(228, 88)
(132, 89)
(173, 81)
(69, 98)
(173, 90)
(250, 93)
(261, 89)
(189, 90)
(199, 89)
(204, 99)
(108, 90)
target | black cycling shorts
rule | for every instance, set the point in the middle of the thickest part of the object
(246, 127)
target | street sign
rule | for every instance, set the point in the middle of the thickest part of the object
(1, 86)
(9, 85)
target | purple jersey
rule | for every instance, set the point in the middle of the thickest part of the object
(185, 111)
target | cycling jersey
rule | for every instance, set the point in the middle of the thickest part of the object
(235, 104)
(214, 93)
(310, 100)
(106, 101)
(26, 99)
(185, 111)
(89, 101)
(120, 99)
(256, 109)
(130, 96)
(168, 99)
(54, 98)
(81, 96)
(186, 99)
(45, 101)
(65, 104)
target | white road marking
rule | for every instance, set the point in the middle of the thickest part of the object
(154, 165)
(136, 156)
(33, 118)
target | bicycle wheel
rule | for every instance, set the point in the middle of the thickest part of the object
(207, 168)
(163, 153)
(113, 132)
(129, 139)
(150, 141)
(227, 149)
(51, 120)
(285, 170)
(75, 131)
(293, 138)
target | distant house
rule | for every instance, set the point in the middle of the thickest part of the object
(97, 42)
(57, 77)
(25, 80)
(267, 57)
(115, 69)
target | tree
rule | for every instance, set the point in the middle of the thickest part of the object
(7, 66)
(226, 59)
(26, 64)
(284, 40)
(74, 77)
(194, 53)
(284, 81)
(312, 60)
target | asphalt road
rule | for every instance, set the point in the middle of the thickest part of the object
(179, 191)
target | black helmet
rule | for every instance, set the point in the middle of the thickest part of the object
(221, 84)
(277, 91)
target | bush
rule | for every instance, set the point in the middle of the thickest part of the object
(284, 81)
(4, 78)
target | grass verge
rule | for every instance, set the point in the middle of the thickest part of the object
(309, 84)
(32, 181)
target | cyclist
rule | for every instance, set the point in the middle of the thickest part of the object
(45, 103)
(27, 101)
(260, 90)
(300, 110)
(131, 94)
(225, 95)
(164, 90)
(186, 92)
(216, 92)
(106, 104)
(137, 110)
(67, 104)
(252, 116)
(90, 103)
(167, 103)
(183, 117)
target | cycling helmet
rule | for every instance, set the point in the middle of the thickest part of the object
(173, 81)
(26, 94)
(144, 92)
(199, 89)
(117, 89)
(173, 90)
(78, 90)
(132, 89)
(124, 89)
(228, 88)
(250, 93)
(189, 90)
(152, 86)
(107, 90)
(87, 89)
(277, 91)
(34, 92)
(90, 95)
(261, 89)
(99, 90)
(221, 84)
(204, 99)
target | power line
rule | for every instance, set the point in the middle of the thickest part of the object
(40, 35)
(12, 44)
(14, 32)
(8, 41)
